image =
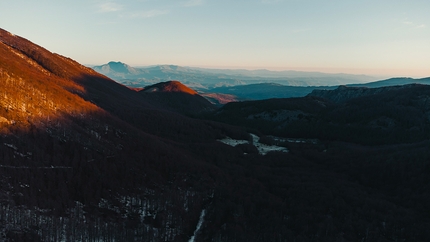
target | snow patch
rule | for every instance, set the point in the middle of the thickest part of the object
(11, 146)
(263, 149)
(233, 142)
(199, 225)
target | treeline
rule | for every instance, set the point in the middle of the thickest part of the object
(394, 116)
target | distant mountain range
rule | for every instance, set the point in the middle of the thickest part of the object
(273, 90)
(223, 85)
(393, 82)
(203, 79)
(84, 158)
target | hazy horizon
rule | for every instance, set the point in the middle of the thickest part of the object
(377, 38)
(310, 70)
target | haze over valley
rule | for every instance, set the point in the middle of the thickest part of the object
(271, 120)
(242, 85)
(200, 78)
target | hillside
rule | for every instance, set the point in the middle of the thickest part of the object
(83, 158)
(169, 87)
(92, 147)
(383, 115)
(176, 97)
(376, 137)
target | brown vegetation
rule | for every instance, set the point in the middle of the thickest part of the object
(84, 158)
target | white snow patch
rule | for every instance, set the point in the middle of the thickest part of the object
(263, 149)
(199, 225)
(11, 146)
(233, 142)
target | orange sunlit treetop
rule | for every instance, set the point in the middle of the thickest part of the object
(170, 86)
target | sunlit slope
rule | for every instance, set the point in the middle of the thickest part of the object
(175, 96)
(30, 94)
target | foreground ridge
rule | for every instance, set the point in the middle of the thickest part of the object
(83, 158)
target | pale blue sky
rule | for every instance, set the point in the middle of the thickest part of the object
(378, 37)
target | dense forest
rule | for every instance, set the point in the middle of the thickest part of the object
(83, 158)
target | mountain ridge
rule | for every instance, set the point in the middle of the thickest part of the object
(394, 82)
(210, 78)
(249, 84)
(85, 158)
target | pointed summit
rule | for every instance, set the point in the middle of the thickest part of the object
(116, 69)
(120, 67)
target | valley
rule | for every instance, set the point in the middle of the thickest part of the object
(142, 157)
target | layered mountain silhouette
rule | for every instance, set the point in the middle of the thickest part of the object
(273, 90)
(83, 158)
(204, 79)
(394, 82)
(222, 86)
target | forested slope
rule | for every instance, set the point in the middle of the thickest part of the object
(83, 158)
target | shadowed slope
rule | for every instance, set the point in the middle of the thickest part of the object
(383, 115)
(170, 86)
(113, 167)
(175, 96)
(65, 147)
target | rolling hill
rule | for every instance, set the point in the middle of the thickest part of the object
(177, 97)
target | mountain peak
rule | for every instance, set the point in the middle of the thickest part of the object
(116, 63)
(170, 86)
(116, 69)
(119, 67)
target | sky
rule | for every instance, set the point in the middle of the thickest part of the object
(377, 37)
